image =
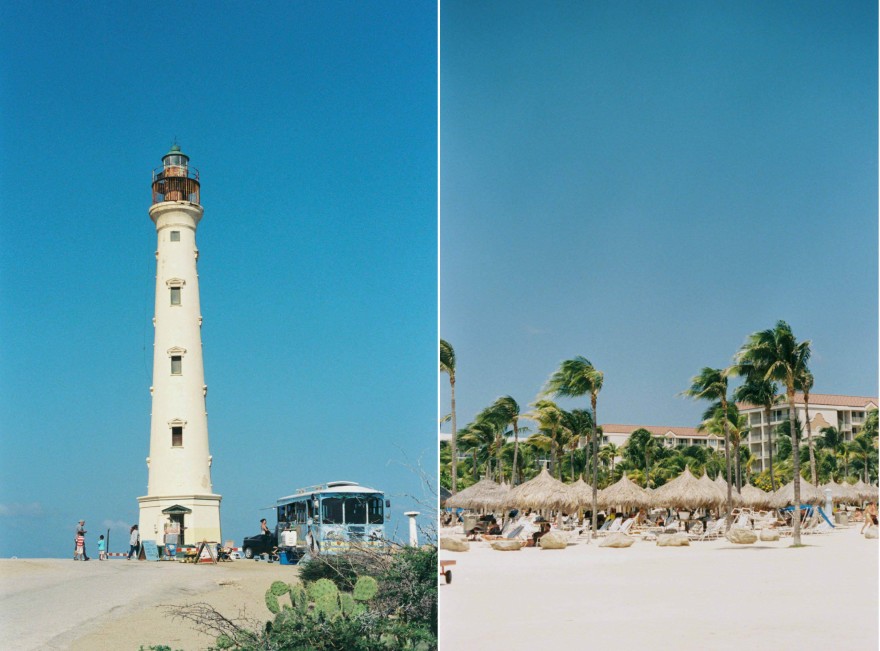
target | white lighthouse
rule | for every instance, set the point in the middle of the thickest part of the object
(179, 495)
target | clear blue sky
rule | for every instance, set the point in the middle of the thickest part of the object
(314, 127)
(645, 184)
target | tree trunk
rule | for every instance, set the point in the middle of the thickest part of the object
(810, 439)
(452, 441)
(796, 461)
(767, 412)
(739, 483)
(515, 453)
(727, 457)
(595, 466)
(475, 464)
(553, 455)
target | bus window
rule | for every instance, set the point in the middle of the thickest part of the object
(300, 511)
(331, 510)
(355, 510)
(375, 510)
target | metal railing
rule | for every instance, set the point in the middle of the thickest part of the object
(176, 184)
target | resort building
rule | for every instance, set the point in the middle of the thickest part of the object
(671, 437)
(846, 413)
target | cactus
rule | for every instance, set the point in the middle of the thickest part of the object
(322, 587)
(224, 641)
(272, 602)
(327, 605)
(321, 598)
(365, 588)
(346, 604)
(279, 588)
(298, 595)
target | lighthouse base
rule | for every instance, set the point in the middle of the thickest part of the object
(195, 518)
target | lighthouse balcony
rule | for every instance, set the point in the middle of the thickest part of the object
(176, 184)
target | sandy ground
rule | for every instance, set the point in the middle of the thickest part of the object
(120, 605)
(711, 595)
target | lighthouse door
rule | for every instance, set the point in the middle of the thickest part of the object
(177, 524)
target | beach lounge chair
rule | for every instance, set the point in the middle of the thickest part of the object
(626, 526)
(715, 530)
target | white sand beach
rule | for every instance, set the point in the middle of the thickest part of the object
(121, 605)
(710, 595)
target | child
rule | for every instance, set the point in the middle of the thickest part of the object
(80, 547)
(102, 548)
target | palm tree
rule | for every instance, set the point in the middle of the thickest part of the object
(806, 384)
(576, 426)
(871, 423)
(447, 365)
(548, 415)
(832, 440)
(758, 391)
(503, 412)
(864, 455)
(641, 447)
(479, 438)
(714, 422)
(779, 356)
(711, 384)
(578, 377)
(608, 453)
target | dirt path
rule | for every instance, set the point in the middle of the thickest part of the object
(62, 604)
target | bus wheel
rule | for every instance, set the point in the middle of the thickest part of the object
(248, 553)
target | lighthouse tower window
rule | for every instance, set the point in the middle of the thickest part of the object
(175, 236)
(176, 364)
(177, 437)
(175, 295)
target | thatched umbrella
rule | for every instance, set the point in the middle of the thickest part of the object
(583, 492)
(721, 483)
(722, 492)
(841, 493)
(485, 494)
(785, 495)
(686, 491)
(756, 498)
(445, 494)
(543, 492)
(866, 492)
(625, 494)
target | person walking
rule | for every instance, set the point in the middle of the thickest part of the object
(870, 516)
(102, 548)
(81, 531)
(79, 548)
(133, 541)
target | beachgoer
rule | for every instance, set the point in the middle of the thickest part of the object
(102, 548)
(81, 529)
(133, 541)
(264, 528)
(870, 516)
(80, 546)
(545, 529)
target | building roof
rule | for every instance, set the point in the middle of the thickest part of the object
(656, 430)
(825, 399)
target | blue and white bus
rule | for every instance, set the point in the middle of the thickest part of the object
(331, 518)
